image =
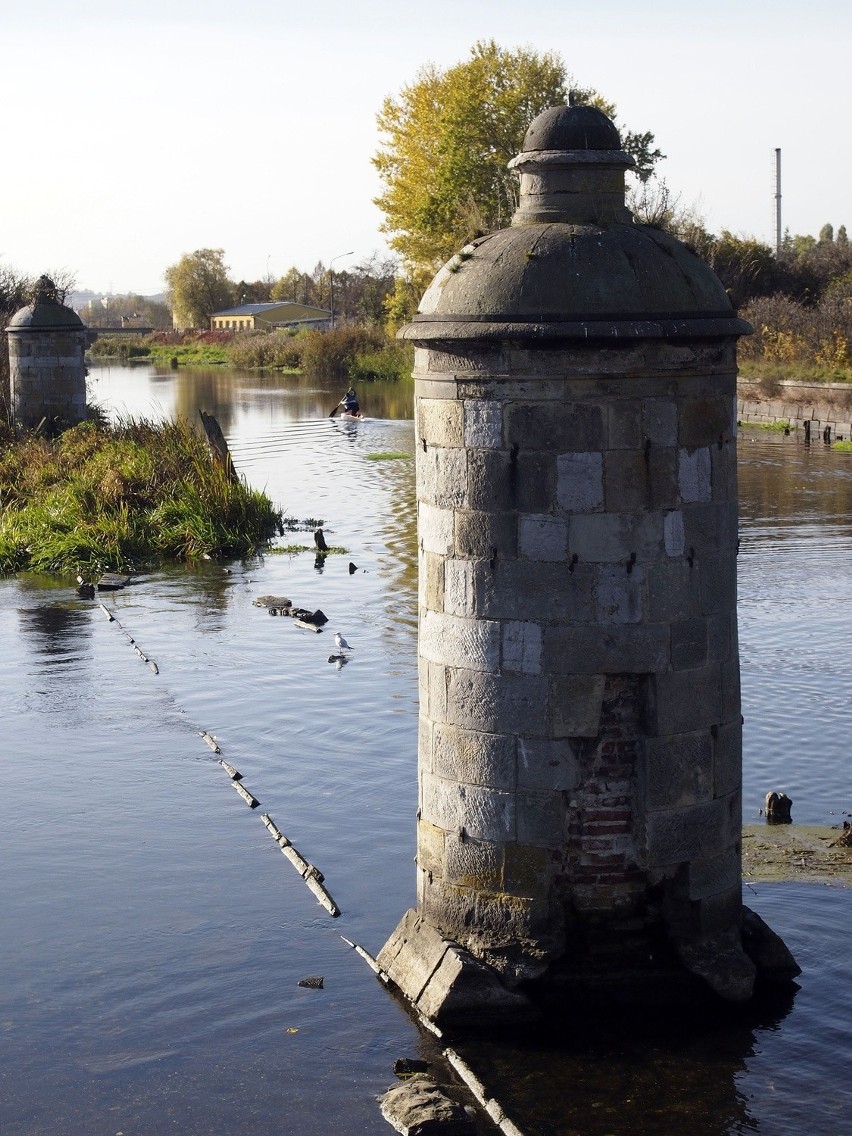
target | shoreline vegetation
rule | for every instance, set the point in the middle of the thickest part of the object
(359, 352)
(122, 497)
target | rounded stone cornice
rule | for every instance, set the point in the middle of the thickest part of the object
(577, 282)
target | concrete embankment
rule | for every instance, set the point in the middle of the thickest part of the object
(812, 406)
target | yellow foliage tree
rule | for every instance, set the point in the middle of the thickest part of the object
(447, 139)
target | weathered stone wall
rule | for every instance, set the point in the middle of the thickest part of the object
(820, 405)
(580, 714)
(47, 375)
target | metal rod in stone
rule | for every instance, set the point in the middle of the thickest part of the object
(251, 801)
(480, 1093)
(210, 740)
(234, 774)
(368, 959)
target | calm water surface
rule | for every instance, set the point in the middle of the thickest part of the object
(153, 936)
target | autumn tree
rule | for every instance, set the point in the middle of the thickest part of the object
(199, 286)
(447, 139)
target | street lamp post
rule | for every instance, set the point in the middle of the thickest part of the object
(331, 282)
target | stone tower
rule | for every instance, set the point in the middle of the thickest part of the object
(579, 817)
(47, 370)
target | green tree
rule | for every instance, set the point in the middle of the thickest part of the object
(448, 137)
(199, 286)
(293, 286)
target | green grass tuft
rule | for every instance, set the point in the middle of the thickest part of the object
(118, 497)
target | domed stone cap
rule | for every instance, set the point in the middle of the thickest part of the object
(574, 264)
(572, 128)
(46, 312)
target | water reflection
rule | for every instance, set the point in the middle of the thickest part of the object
(153, 966)
(56, 630)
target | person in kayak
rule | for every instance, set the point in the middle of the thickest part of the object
(349, 402)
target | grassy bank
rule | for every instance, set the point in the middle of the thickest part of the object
(359, 352)
(119, 497)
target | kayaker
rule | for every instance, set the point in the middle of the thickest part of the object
(349, 402)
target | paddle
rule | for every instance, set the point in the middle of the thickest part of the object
(334, 411)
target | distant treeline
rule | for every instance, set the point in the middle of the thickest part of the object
(357, 352)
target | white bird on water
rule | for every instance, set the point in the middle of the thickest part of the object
(342, 645)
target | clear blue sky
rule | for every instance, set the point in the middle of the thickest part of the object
(137, 132)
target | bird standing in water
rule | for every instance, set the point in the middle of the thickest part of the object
(342, 645)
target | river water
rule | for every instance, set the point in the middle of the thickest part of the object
(153, 936)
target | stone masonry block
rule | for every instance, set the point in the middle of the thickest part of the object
(718, 583)
(483, 424)
(660, 421)
(481, 534)
(728, 758)
(731, 702)
(710, 528)
(576, 705)
(474, 864)
(430, 848)
(473, 757)
(488, 814)
(527, 869)
(431, 581)
(439, 422)
(574, 427)
(534, 590)
(489, 480)
(541, 818)
(721, 636)
(441, 802)
(627, 649)
(673, 591)
(664, 490)
(678, 836)
(522, 647)
(607, 537)
(458, 642)
(679, 770)
(704, 420)
(442, 477)
(579, 482)
(546, 764)
(624, 424)
(626, 481)
(715, 876)
(685, 701)
(695, 474)
(412, 954)
(542, 537)
(497, 703)
(437, 677)
(435, 528)
(674, 538)
(459, 587)
(725, 471)
(619, 595)
(689, 644)
(533, 482)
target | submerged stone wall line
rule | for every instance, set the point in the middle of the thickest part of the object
(312, 876)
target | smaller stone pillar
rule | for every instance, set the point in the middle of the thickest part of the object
(47, 370)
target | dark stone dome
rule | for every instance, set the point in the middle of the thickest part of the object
(575, 282)
(44, 317)
(572, 128)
